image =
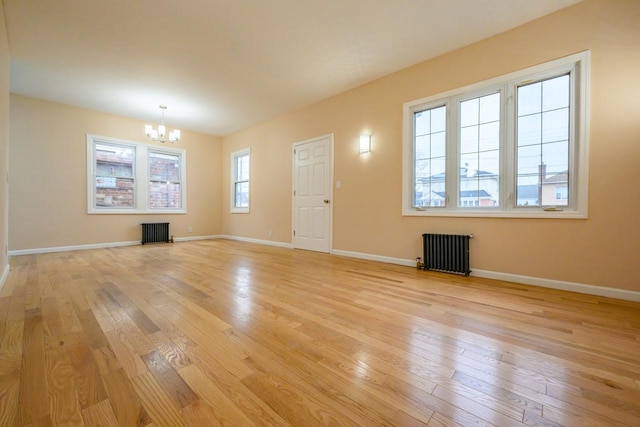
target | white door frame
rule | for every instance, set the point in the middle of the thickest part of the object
(294, 146)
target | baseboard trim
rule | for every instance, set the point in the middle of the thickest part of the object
(96, 246)
(258, 241)
(192, 238)
(582, 288)
(371, 257)
(4, 276)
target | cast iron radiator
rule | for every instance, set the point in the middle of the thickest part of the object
(156, 233)
(447, 252)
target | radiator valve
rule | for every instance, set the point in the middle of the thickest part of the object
(419, 264)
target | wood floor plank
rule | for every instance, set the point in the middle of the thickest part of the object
(64, 404)
(99, 415)
(220, 332)
(224, 409)
(172, 383)
(158, 404)
(92, 330)
(34, 401)
(89, 388)
(127, 357)
(125, 402)
(9, 393)
(200, 414)
(169, 350)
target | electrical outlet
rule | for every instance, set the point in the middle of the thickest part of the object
(190, 229)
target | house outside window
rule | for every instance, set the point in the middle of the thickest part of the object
(240, 168)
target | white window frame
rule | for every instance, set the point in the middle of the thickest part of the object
(234, 173)
(578, 66)
(141, 177)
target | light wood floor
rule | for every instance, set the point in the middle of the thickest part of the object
(216, 332)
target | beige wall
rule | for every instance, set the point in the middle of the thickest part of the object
(4, 143)
(602, 250)
(48, 194)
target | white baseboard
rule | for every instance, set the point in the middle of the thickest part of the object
(4, 276)
(71, 248)
(379, 258)
(516, 278)
(192, 238)
(258, 241)
(561, 285)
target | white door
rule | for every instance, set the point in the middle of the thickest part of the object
(312, 185)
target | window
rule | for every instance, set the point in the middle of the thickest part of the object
(130, 177)
(164, 180)
(114, 176)
(240, 181)
(516, 145)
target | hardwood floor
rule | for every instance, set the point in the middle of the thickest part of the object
(216, 332)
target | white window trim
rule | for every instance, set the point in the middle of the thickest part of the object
(579, 158)
(141, 177)
(232, 198)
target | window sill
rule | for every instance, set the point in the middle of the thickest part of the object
(136, 211)
(528, 213)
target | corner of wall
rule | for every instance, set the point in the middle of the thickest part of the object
(4, 148)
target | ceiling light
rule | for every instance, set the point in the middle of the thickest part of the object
(160, 134)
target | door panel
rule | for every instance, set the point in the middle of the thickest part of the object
(312, 194)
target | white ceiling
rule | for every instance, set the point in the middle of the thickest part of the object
(224, 65)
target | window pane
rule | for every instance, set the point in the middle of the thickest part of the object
(114, 183)
(112, 192)
(529, 99)
(429, 157)
(438, 145)
(164, 195)
(555, 157)
(489, 161)
(469, 140)
(480, 152)
(543, 141)
(555, 93)
(242, 168)
(242, 195)
(529, 129)
(555, 125)
(438, 119)
(423, 147)
(489, 138)
(422, 123)
(469, 112)
(490, 108)
(164, 167)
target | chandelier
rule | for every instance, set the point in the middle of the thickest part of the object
(160, 134)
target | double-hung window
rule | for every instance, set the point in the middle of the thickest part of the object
(240, 161)
(516, 145)
(130, 177)
(165, 187)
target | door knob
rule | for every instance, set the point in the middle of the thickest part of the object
(326, 200)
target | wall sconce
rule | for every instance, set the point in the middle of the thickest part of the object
(365, 143)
